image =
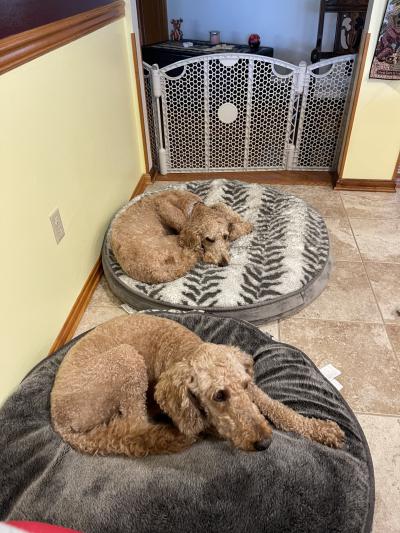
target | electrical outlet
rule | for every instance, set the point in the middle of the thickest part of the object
(57, 225)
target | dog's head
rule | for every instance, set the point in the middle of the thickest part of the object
(209, 392)
(210, 230)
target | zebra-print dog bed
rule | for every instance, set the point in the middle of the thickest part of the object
(275, 271)
(296, 486)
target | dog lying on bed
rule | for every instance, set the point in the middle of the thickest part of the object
(161, 237)
(99, 404)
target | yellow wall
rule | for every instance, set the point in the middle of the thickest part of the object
(375, 138)
(69, 138)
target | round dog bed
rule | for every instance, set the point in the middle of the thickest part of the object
(296, 485)
(275, 271)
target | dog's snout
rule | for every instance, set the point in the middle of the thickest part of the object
(262, 445)
(223, 262)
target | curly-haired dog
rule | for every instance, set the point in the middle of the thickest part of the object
(98, 401)
(162, 236)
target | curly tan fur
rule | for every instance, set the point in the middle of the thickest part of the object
(99, 403)
(161, 237)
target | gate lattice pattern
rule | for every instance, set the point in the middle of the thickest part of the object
(321, 124)
(152, 116)
(235, 112)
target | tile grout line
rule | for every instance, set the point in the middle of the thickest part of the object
(359, 413)
(369, 283)
(371, 323)
(375, 219)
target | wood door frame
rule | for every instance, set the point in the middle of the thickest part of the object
(161, 22)
(136, 53)
(137, 63)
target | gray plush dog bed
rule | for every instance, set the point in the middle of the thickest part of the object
(275, 271)
(294, 486)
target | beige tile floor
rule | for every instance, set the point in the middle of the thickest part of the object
(354, 324)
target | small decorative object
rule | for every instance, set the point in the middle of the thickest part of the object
(386, 62)
(254, 41)
(176, 32)
(215, 37)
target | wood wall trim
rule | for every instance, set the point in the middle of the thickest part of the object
(366, 185)
(144, 181)
(136, 56)
(23, 47)
(79, 307)
(283, 177)
(81, 303)
(357, 89)
(396, 172)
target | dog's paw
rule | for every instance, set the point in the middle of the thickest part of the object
(248, 227)
(328, 433)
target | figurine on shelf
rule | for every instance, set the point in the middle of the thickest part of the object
(254, 41)
(176, 33)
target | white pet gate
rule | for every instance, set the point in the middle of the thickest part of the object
(238, 112)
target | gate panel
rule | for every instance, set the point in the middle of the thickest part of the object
(227, 112)
(184, 115)
(227, 84)
(238, 112)
(323, 112)
(273, 99)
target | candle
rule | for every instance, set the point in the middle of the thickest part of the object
(215, 37)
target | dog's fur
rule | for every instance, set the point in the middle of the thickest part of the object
(161, 237)
(99, 404)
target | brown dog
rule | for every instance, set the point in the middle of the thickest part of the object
(161, 237)
(98, 401)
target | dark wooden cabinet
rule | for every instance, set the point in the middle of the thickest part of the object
(168, 52)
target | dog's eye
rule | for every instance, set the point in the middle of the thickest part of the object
(209, 240)
(220, 396)
(225, 236)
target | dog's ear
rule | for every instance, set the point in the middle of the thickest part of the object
(173, 395)
(189, 238)
(248, 364)
(237, 226)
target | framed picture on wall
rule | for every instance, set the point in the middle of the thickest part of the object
(386, 61)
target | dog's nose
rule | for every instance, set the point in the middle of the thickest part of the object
(262, 445)
(223, 262)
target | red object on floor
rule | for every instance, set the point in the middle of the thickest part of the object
(38, 527)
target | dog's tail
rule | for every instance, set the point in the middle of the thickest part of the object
(121, 437)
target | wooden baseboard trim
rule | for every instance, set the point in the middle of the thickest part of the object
(79, 307)
(25, 46)
(366, 185)
(283, 177)
(141, 185)
(81, 303)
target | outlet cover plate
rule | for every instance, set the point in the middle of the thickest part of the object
(57, 225)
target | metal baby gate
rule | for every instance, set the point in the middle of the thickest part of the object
(238, 112)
